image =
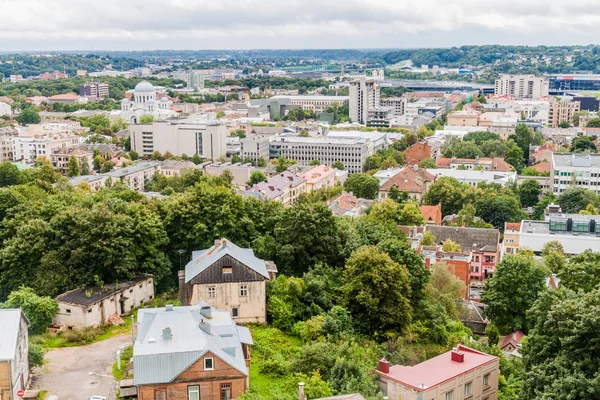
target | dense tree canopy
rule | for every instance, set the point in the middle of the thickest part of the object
(363, 185)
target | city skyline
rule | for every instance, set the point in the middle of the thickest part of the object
(33, 25)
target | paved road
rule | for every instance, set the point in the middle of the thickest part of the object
(66, 371)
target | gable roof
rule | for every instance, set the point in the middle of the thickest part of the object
(202, 259)
(468, 238)
(9, 332)
(544, 166)
(432, 213)
(513, 338)
(409, 179)
(195, 331)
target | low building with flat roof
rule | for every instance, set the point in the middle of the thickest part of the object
(575, 169)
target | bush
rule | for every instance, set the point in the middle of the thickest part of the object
(274, 366)
(36, 355)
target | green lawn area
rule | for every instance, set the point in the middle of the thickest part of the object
(126, 355)
(79, 337)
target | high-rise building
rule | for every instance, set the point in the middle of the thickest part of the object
(562, 111)
(94, 90)
(196, 80)
(205, 138)
(364, 96)
(522, 86)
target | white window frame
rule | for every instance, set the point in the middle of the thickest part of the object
(212, 362)
(449, 395)
(193, 390)
(486, 380)
(243, 290)
(468, 388)
(212, 292)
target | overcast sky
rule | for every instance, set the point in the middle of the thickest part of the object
(253, 24)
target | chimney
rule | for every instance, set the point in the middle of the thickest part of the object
(456, 355)
(181, 280)
(384, 366)
(167, 333)
(301, 395)
(206, 311)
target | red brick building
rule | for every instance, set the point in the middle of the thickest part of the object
(417, 153)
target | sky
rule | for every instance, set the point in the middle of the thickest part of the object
(27, 25)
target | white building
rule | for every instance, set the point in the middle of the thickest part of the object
(254, 147)
(144, 103)
(5, 109)
(27, 148)
(522, 86)
(195, 80)
(364, 96)
(575, 169)
(316, 104)
(134, 177)
(350, 147)
(473, 178)
(397, 104)
(94, 306)
(208, 139)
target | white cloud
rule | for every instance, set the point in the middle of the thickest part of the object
(135, 24)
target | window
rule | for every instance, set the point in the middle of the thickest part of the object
(211, 292)
(243, 290)
(449, 395)
(193, 392)
(227, 270)
(234, 312)
(208, 364)
(90, 310)
(486, 380)
(160, 395)
(226, 391)
(467, 389)
(68, 310)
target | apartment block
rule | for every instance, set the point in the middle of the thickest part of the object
(350, 147)
(208, 139)
(575, 169)
(522, 86)
(316, 104)
(364, 96)
(60, 157)
(94, 90)
(320, 177)
(562, 111)
(27, 148)
(285, 188)
(254, 147)
(397, 104)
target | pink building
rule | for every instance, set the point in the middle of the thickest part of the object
(319, 177)
(462, 373)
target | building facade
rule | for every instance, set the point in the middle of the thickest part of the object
(316, 104)
(230, 278)
(522, 86)
(255, 147)
(208, 139)
(145, 102)
(95, 90)
(60, 158)
(94, 306)
(462, 373)
(285, 188)
(575, 169)
(14, 356)
(28, 148)
(191, 352)
(320, 177)
(364, 96)
(562, 111)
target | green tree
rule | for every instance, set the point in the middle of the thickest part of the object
(256, 177)
(530, 171)
(448, 192)
(445, 289)
(590, 210)
(561, 354)
(427, 163)
(98, 162)
(9, 174)
(283, 164)
(583, 144)
(363, 185)
(451, 246)
(235, 159)
(518, 282)
(304, 133)
(220, 114)
(428, 239)
(73, 167)
(493, 335)
(338, 165)
(582, 272)
(523, 138)
(377, 291)
(314, 163)
(135, 155)
(529, 192)
(593, 123)
(28, 116)
(576, 199)
(85, 166)
(262, 162)
(196, 159)
(515, 157)
(146, 119)
(564, 125)
(106, 166)
(40, 310)
(500, 209)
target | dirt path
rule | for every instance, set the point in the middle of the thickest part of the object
(66, 371)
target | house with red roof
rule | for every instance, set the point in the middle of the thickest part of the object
(417, 153)
(432, 214)
(542, 167)
(485, 164)
(511, 341)
(462, 373)
(411, 179)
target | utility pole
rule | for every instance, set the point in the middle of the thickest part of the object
(132, 330)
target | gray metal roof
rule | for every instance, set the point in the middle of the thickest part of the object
(469, 239)
(10, 322)
(202, 259)
(160, 360)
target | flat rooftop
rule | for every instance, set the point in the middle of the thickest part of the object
(576, 160)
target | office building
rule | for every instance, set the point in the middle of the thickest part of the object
(364, 96)
(522, 86)
(350, 147)
(255, 147)
(575, 169)
(94, 90)
(462, 373)
(196, 80)
(577, 82)
(562, 111)
(397, 104)
(208, 139)
(316, 104)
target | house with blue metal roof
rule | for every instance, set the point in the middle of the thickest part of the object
(229, 278)
(193, 352)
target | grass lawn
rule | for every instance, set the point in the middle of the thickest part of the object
(126, 355)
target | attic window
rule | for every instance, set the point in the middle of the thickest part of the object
(227, 270)
(208, 364)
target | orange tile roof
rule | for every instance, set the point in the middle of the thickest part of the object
(409, 179)
(542, 167)
(65, 96)
(432, 213)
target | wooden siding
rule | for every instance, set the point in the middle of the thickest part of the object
(214, 273)
(5, 380)
(209, 382)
